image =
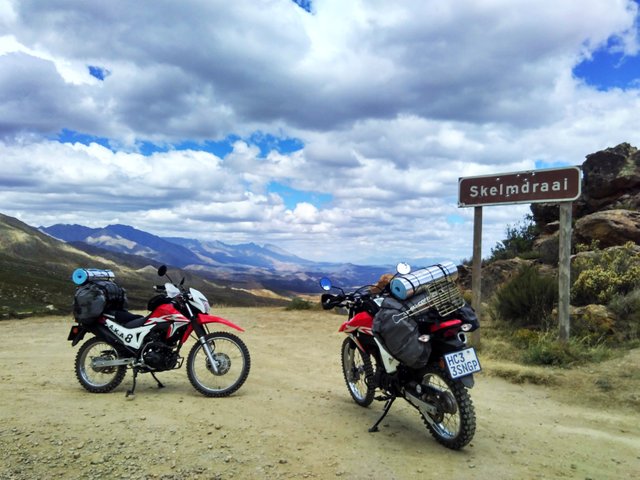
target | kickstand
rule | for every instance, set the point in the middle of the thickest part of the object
(133, 387)
(387, 407)
(160, 385)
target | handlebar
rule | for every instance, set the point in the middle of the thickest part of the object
(329, 301)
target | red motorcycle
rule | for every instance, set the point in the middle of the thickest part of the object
(415, 349)
(217, 365)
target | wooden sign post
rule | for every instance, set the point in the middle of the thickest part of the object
(556, 185)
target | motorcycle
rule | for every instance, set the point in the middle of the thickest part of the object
(217, 364)
(437, 387)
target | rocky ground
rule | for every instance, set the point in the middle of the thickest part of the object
(292, 419)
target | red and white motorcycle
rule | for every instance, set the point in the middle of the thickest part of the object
(431, 365)
(217, 365)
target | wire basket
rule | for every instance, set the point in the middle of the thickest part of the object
(442, 295)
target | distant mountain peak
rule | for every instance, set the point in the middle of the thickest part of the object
(243, 262)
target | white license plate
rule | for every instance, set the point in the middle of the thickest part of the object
(462, 363)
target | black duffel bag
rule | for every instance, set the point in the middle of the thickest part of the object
(400, 334)
(94, 298)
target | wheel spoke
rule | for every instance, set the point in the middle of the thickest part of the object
(454, 424)
(358, 373)
(94, 378)
(231, 369)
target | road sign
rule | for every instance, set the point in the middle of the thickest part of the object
(533, 186)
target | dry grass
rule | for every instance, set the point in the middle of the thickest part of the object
(612, 383)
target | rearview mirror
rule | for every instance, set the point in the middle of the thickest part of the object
(162, 270)
(325, 283)
(403, 268)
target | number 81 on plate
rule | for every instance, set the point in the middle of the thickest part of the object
(464, 362)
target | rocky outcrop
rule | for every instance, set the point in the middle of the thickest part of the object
(608, 228)
(494, 274)
(611, 180)
(548, 247)
(607, 210)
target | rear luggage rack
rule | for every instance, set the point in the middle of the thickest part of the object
(443, 295)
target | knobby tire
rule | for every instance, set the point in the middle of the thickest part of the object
(357, 370)
(100, 379)
(233, 356)
(453, 430)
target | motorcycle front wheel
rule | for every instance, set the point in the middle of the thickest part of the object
(232, 360)
(454, 424)
(94, 378)
(358, 373)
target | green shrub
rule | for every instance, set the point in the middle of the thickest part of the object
(299, 304)
(519, 241)
(627, 311)
(604, 274)
(548, 350)
(523, 337)
(594, 324)
(527, 300)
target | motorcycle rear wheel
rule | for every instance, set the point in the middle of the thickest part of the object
(455, 423)
(358, 373)
(233, 359)
(98, 379)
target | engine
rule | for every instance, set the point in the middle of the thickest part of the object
(159, 356)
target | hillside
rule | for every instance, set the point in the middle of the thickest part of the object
(36, 274)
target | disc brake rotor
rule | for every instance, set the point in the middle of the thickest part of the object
(223, 361)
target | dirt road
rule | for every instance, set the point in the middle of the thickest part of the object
(292, 419)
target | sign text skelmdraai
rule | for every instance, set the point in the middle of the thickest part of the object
(548, 185)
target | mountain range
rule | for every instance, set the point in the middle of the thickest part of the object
(268, 266)
(36, 273)
(37, 263)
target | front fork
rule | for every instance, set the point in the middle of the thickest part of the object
(201, 333)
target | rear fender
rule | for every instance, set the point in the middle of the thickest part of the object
(467, 381)
(76, 334)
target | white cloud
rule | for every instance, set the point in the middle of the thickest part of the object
(393, 102)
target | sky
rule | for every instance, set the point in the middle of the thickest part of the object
(334, 129)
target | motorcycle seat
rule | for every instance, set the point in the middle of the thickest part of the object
(128, 319)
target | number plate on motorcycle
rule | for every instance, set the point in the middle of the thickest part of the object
(462, 363)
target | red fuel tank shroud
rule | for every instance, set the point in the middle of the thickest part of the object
(362, 319)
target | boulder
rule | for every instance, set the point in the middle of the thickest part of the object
(594, 321)
(548, 248)
(498, 273)
(544, 213)
(608, 228)
(611, 178)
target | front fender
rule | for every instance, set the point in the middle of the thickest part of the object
(206, 318)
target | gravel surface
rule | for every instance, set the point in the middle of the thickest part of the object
(292, 419)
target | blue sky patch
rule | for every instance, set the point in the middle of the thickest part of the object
(455, 219)
(540, 164)
(71, 136)
(265, 142)
(609, 69)
(293, 197)
(98, 72)
(220, 148)
(304, 4)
